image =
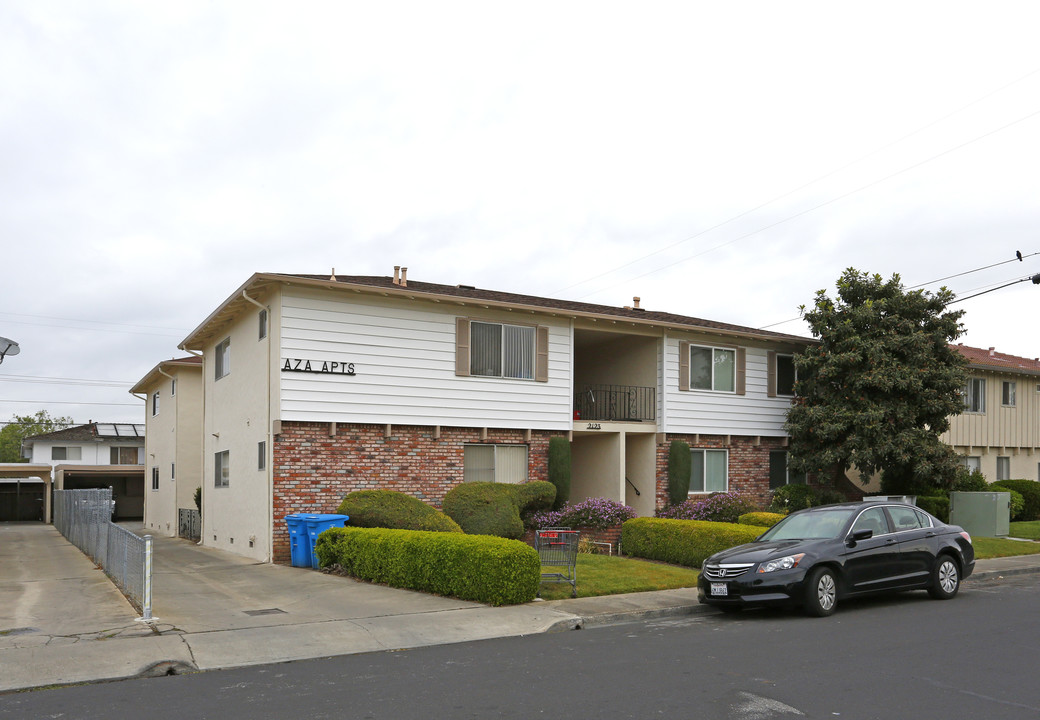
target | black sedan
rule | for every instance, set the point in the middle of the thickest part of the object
(818, 556)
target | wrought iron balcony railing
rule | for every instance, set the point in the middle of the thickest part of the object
(618, 403)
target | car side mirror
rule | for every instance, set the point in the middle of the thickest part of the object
(860, 535)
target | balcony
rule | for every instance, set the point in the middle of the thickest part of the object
(616, 403)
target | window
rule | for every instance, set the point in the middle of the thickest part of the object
(779, 475)
(502, 350)
(222, 469)
(173, 387)
(1003, 468)
(495, 463)
(975, 395)
(263, 324)
(786, 375)
(1007, 393)
(155, 478)
(173, 471)
(713, 368)
(66, 453)
(709, 471)
(123, 456)
(155, 403)
(872, 519)
(905, 518)
(223, 359)
(261, 455)
(972, 462)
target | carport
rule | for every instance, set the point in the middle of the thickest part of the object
(22, 487)
(126, 481)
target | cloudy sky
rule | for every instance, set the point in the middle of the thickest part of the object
(720, 160)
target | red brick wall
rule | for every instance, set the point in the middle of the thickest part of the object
(313, 471)
(748, 463)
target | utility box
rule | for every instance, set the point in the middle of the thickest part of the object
(908, 499)
(986, 514)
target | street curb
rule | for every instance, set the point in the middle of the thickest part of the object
(996, 574)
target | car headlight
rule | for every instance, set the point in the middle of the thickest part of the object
(784, 563)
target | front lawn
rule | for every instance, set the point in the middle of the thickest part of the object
(1029, 530)
(611, 575)
(987, 547)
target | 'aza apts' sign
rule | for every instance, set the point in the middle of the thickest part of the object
(325, 367)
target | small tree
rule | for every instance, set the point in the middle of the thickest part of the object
(560, 469)
(878, 390)
(23, 426)
(679, 465)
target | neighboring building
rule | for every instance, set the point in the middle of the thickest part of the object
(95, 455)
(317, 386)
(172, 391)
(999, 431)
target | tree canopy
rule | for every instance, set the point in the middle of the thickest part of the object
(879, 389)
(23, 426)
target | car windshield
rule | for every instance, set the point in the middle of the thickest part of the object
(815, 525)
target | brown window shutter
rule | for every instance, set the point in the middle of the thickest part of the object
(684, 366)
(741, 370)
(541, 354)
(462, 346)
(771, 373)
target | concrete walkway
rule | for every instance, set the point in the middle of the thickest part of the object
(62, 621)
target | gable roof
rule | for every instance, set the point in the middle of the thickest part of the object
(90, 432)
(990, 359)
(155, 375)
(386, 286)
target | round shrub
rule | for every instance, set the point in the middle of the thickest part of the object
(396, 510)
(829, 496)
(970, 481)
(1018, 503)
(718, 507)
(593, 514)
(482, 508)
(1030, 492)
(535, 496)
(793, 497)
(760, 519)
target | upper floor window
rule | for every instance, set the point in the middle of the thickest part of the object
(1007, 393)
(173, 387)
(490, 349)
(709, 471)
(263, 324)
(123, 456)
(222, 469)
(975, 395)
(66, 453)
(155, 403)
(719, 369)
(222, 364)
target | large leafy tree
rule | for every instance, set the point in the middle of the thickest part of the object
(879, 389)
(23, 426)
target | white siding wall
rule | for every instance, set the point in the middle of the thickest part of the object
(702, 411)
(404, 359)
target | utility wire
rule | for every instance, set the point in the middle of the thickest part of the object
(1017, 258)
(805, 185)
(64, 381)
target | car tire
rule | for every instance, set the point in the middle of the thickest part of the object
(946, 578)
(821, 592)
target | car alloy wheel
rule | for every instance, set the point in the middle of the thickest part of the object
(821, 593)
(946, 579)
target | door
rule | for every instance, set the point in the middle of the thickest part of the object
(872, 564)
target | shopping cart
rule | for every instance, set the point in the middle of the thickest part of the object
(558, 547)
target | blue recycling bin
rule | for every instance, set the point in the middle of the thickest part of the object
(299, 542)
(316, 525)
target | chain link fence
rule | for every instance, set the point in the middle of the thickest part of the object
(84, 518)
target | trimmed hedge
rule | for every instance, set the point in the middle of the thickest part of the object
(761, 519)
(479, 568)
(683, 542)
(396, 510)
(679, 462)
(483, 508)
(1030, 492)
(937, 505)
(560, 469)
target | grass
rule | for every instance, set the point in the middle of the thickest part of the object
(611, 575)
(987, 547)
(1029, 530)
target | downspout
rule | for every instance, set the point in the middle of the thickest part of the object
(202, 430)
(269, 435)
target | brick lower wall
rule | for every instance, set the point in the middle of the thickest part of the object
(313, 471)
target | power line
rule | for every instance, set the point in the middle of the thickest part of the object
(70, 402)
(42, 379)
(96, 322)
(1018, 258)
(801, 187)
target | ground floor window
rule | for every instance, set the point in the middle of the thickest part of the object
(779, 475)
(709, 471)
(222, 469)
(495, 463)
(1003, 468)
(972, 463)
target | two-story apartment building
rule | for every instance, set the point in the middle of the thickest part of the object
(999, 431)
(95, 455)
(172, 391)
(317, 386)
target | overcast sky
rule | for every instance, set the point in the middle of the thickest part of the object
(719, 160)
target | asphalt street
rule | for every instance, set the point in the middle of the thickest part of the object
(897, 657)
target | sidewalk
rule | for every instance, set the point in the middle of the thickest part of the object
(62, 621)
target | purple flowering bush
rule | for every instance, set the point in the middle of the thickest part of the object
(594, 514)
(718, 507)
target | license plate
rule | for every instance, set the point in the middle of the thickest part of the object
(718, 589)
